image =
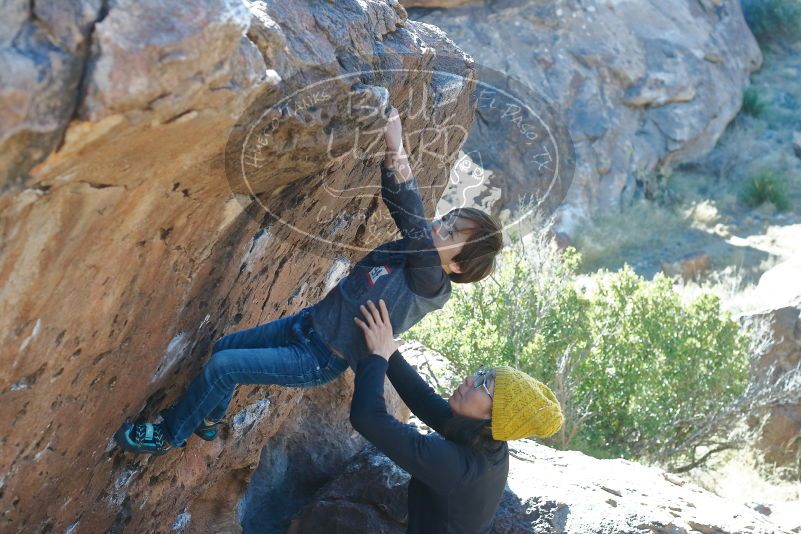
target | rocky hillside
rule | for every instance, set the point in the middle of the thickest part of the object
(548, 491)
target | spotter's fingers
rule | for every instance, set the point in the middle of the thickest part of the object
(367, 315)
(361, 325)
(374, 312)
(384, 312)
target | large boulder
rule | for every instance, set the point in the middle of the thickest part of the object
(547, 491)
(127, 249)
(641, 84)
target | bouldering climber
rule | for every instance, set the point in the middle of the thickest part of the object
(316, 344)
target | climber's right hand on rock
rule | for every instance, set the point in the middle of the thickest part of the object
(393, 131)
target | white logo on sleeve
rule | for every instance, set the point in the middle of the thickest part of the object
(377, 272)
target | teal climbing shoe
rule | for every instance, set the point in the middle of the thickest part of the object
(142, 438)
(208, 430)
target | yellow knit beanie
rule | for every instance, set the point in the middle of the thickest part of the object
(523, 407)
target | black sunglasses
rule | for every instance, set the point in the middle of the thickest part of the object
(483, 376)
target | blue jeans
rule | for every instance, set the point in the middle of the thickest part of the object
(286, 352)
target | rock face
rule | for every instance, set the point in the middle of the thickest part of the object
(780, 425)
(548, 491)
(437, 3)
(124, 252)
(642, 84)
(43, 51)
(778, 297)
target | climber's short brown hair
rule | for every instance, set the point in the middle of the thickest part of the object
(477, 257)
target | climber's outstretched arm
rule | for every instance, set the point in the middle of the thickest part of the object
(396, 158)
(402, 197)
(399, 187)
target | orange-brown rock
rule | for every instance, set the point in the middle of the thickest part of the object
(689, 267)
(779, 424)
(124, 252)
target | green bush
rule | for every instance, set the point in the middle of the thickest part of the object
(656, 364)
(766, 187)
(752, 104)
(645, 365)
(514, 318)
(772, 19)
